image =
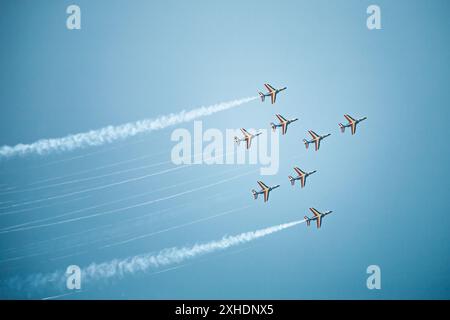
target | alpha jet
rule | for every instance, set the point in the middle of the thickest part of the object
(317, 217)
(283, 123)
(272, 92)
(316, 139)
(264, 190)
(247, 138)
(351, 123)
(302, 175)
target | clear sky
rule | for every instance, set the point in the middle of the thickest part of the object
(132, 60)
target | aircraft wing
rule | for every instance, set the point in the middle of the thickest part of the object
(245, 132)
(284, 127)
(262, 185)
(349, 118)
(269, 88)
(353, 125)
(281, 118)
(319, 222)
(248, 141)
(302, 181)
(266, 195)
(272, 92)
(299, 171)
(273, 96)
(315, 212)
(317, 143)
(313, 134)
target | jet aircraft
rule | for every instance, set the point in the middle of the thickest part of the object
(283, 123)
(316, 139)
(318, 216)
(247, 138)
(301, 176)
(272, 93)
(264, 190)
(351, 123)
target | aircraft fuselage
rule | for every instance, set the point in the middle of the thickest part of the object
(310, 173)
(274, 187)
(362, 119)
(314, 218)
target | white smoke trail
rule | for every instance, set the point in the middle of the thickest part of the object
(119, 268)
(140, 263)
(113, 133)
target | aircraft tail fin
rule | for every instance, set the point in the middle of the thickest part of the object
(306, 143)
(263, 97)
(255, 194)
(342, 127)
(274, 127)
(292, 180)
(237, 141)
(308, 222)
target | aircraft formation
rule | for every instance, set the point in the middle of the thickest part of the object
(316, 139)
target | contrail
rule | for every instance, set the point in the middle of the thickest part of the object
(82, 156)
(101, 187)
(45, 206)
(34, 246)
(110, 226)
(91, 244)
(61, 295)
(104, 204)
(95, 177)
(109, 174)
(26, 202)
(110, 134)
(175, 255)
(114, 164)
(88, 154)
(179, 226)
(118, 268)
(124, 209)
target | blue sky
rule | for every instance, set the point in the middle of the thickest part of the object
(386, 185)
